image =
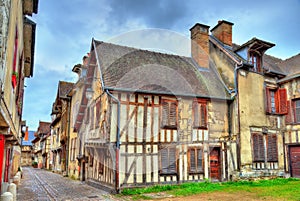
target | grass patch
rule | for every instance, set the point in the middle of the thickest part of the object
(280, 188)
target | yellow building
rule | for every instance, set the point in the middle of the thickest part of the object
(16, 63)
(76, 95)
(60, 127)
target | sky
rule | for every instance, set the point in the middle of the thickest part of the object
(65, 30)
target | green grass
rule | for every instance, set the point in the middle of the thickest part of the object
(286, 189)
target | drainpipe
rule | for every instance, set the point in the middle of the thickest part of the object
(118, 140)
(238, 144)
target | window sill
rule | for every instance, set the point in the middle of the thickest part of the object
(199, 172)
(200, 127)
(169, 127)
(168, 174)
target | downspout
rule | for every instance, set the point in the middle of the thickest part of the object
(236, 96)
(117, 141)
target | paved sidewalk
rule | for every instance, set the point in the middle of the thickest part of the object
(42, 185)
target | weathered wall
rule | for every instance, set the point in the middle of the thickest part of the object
(253, 118)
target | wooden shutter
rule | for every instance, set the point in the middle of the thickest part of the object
(196, 114)
(164, 159)
(192, 160)
(203, 112)
(98, 112)
(168, 160)
(289, 116)
(199, 160)
(268, 101)
(258, 147)
(272, 153)
(282, 101)
(172, 160)
(165, 114)
(173, 114)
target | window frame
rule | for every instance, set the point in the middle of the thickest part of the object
(295, 111)
(280, 98)
(255, 59)
(168, 124)
(197, 169)
(266, 147)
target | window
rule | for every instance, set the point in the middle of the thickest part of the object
(168, 160)
(195, 156)
(293, 115)
(258, 145)
(276, 101)
(297, 111)
(200, 114)
(169, 114)
(73, 148)
(254, 59)
(98, 112)
(272, 153)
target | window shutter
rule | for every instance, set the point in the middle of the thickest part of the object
(165, 114)
(258, 147)
(164, 160)
(196, 114)
(289, 116)
(203, 111)
(98, 105)
(192, 160)
(172, 160)
(268, 101)
(199, 160)
(272, 148)
(282, 101)
(173, 114)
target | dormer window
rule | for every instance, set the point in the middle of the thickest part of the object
(255, 60)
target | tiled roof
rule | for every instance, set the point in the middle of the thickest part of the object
(44, 127)
(64, 88)
(271, 63)
(130, 69)
(291, 65)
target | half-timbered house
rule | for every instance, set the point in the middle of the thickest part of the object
(153, 118)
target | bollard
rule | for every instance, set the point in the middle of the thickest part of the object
(12, 188)
(19, 174)
(7, 196)
(4, 187)
(16, 180)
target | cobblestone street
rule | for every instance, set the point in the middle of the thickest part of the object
(42, 185)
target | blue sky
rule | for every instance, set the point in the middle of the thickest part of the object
(65, 29)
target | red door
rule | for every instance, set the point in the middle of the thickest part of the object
(295, 161)
(214, 159)
(2, 144)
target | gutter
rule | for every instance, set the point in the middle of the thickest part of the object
(236, 95)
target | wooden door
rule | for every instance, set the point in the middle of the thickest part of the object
(295, 161)
(215, 164)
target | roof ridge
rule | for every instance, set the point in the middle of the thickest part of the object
(140, 49)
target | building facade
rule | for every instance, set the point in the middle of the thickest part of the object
(17, 38)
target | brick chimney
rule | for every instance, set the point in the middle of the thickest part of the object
(223, 32)
(200, 44)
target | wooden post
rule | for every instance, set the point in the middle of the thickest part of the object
(2, 145)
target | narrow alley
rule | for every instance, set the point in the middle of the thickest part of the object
(42, 185)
